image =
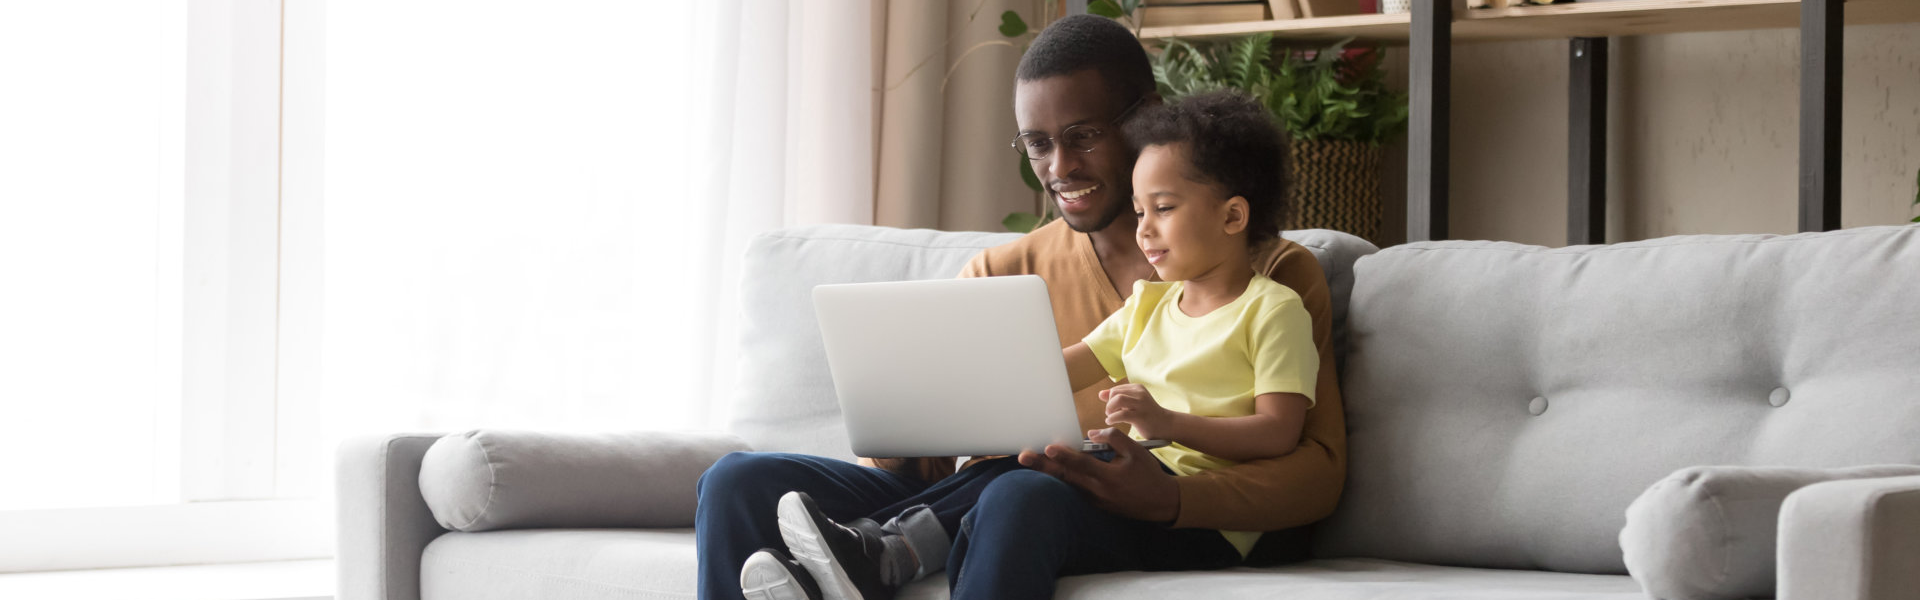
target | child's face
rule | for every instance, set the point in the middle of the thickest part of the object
(1187, 228)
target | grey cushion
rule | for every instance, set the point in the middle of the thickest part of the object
(1639, 359)
(1708, 533)
(1350, 579)
(659, 564)
(784, 400)
(499, 479)
(560, 564)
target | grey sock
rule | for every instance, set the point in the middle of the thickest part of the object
(920, 530)
(896, 562)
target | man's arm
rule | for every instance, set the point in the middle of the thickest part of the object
(1083, 368)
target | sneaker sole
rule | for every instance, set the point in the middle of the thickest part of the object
(804, 542)
(764, 578)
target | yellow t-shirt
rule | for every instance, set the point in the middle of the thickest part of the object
(1211, 365)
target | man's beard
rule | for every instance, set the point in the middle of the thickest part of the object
(1100, 222)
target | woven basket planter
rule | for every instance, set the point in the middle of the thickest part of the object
(1336, 185)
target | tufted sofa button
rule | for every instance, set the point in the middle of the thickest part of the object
(1779, 396)
(1537, 406)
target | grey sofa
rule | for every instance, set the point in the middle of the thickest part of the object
(1505, 404)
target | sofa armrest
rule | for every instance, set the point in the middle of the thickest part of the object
(1851, 540)
(383, 524)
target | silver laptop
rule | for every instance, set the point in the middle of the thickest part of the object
(950, 367)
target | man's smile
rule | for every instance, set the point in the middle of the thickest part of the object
(1076, 194)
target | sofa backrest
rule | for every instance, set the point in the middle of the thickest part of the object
(1505, 403)
(783, 398)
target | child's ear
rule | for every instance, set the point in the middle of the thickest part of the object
(1238, 213)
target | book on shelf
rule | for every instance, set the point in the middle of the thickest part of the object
(1164, 14)
(1310, 9)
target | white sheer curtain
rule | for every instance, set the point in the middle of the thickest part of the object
(534, 214)
(791, 142)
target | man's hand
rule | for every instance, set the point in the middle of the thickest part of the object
(1131, 485)
(1131, 404)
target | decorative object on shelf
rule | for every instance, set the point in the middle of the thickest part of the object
(1283, 9)
(1167, 14)
(1394, 7)
(1334, 105)
(1314, 9)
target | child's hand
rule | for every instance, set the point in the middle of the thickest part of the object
(1131, 404)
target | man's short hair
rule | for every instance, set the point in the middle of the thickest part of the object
(1231, 141)
(1081, 42)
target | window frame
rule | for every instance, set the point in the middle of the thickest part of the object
(235, 438)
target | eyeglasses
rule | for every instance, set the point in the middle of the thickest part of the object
(1078, 138)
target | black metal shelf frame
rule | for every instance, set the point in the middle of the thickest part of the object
(1822, 33)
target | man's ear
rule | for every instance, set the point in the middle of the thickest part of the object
(1238, 212)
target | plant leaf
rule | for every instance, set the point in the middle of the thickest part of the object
(1021, 222)
(1105, 8)
(1129, 6)
(1027, 175)
(1011, 25)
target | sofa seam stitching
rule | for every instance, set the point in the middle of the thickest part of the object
(493, 485)
(1726, 556)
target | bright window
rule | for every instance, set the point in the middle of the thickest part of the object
(508, 212)
(230, 237)
(90, 234)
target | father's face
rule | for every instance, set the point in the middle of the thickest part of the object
(1092, 188)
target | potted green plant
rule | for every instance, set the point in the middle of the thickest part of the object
(1333, 103)
(1916, 193)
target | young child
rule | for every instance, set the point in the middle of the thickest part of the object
(1220, 359)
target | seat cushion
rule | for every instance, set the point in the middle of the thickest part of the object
(629, 564)
(1352, 579)
(560, 564)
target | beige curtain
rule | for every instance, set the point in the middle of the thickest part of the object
(943, 112)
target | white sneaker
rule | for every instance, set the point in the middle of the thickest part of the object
(770, 575)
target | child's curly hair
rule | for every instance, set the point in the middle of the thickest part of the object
(1232, 142)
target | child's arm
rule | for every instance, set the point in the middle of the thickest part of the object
(1272, 430)
(1083, 369)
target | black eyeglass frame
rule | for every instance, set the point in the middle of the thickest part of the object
(1092, 140)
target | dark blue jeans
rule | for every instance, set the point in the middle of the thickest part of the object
(1014, 530)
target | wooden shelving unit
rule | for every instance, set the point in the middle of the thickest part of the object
(1435, 26)
(1557, 21)
(1388, 29)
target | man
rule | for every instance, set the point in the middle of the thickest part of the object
(1006, 527)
